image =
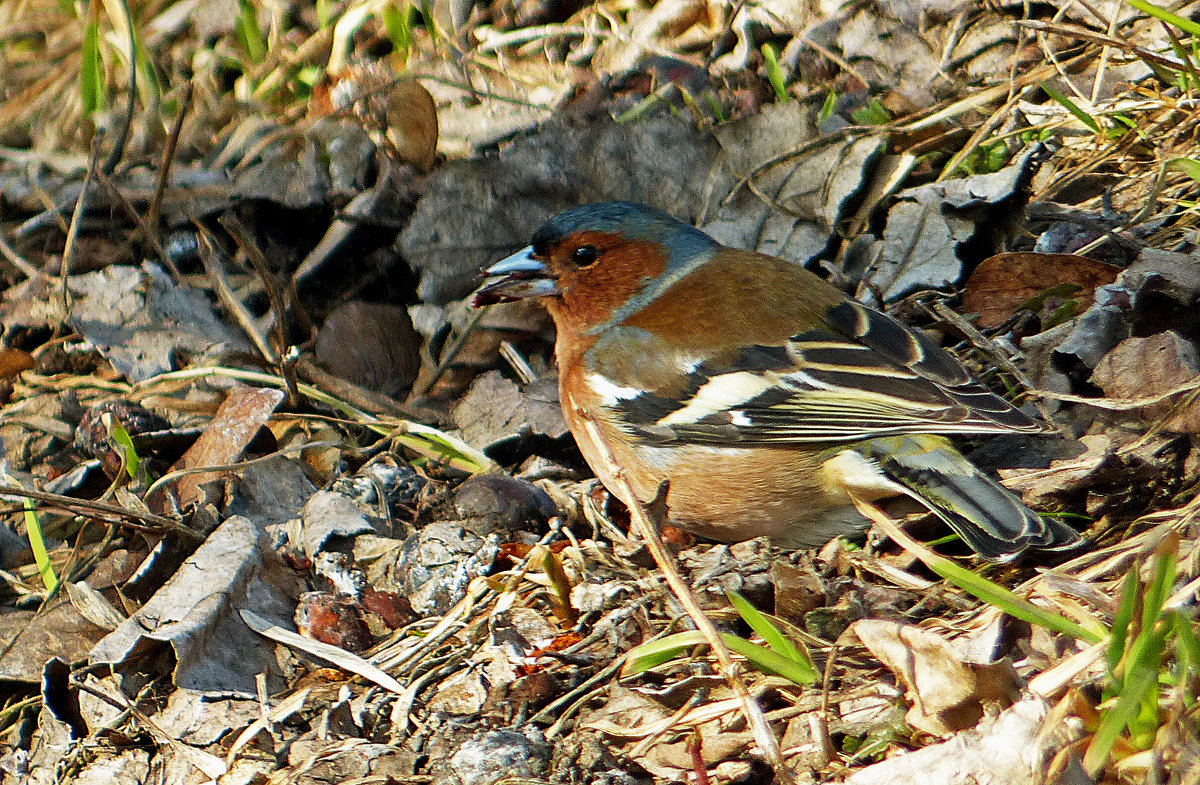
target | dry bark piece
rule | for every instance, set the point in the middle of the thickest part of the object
(1005, 282)
(373, 345)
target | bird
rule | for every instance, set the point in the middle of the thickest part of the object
(764, 396)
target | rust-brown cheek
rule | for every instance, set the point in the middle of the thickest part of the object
(591, 295)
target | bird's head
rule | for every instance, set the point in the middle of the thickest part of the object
(599, 263)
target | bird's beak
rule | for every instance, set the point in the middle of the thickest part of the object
(515, 278)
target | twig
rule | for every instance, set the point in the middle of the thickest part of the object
(118, 151)
(241, 235)
(143, 226)
(168, 158)
(220, 283)
(18, 261)
(641, 522)
(73, 228)
(102, 511)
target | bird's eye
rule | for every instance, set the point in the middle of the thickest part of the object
(584, 255)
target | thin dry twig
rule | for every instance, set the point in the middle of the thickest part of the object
(168, 158)
(103, 511)
(217, 276)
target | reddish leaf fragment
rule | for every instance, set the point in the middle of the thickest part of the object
(234, 426)
(1007, 282)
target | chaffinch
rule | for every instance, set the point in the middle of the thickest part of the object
(760, 391)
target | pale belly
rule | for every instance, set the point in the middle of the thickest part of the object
(734, 494)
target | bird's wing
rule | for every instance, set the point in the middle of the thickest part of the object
(859, 375)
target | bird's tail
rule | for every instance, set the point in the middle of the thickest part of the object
(989, 518)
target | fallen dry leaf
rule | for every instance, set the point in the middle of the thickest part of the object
(1005, 282)
(947, 693)
(1145, 367)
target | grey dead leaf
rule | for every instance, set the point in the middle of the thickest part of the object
(898, 53)
(495, 410)
(270, 492)
(947, 693)
(462, 693)
(30, 639)
(650, 31)
(491, 756)
(194, 613)
(1157, 288)
(197, 719)
(328, 514)
(929, 223)
(143, 322)
(1116, 472)
(469, 121)
(796, 196)
(476, 211)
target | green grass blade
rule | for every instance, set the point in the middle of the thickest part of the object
(1160, 585)
(1115, 719)
(1187, 646)
(651, 655)
(768, 661)
(827, 108)
(774, 72)
(779, 643)
(33, 526)
(1010, 603)
(125, 444)
(655, 653)
(1071, 107)
(249, 33)
(1146, 656)
(1163, 15)
(91, 76)
(1122, 619)
(397, 21)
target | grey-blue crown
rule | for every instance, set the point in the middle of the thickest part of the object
(629, 219)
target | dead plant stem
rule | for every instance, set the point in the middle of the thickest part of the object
(640, 518)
